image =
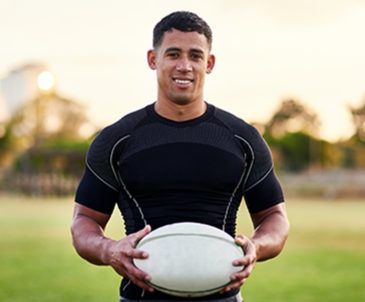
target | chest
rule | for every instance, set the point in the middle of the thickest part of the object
(181, 161)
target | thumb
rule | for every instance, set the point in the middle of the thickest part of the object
(241, 240)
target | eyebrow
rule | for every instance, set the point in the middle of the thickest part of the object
(194, 50)
(172, 49)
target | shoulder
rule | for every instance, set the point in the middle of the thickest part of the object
(258, 154)
(237, 125)
(122, 127)
(112, 134)
(102, 154)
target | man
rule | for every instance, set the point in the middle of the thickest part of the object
(178, 159)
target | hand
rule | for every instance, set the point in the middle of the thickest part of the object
(248, 261)
(121, 255)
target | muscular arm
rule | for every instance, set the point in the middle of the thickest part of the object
(91, 244)
(88, 234)
(271, 231)
(267, 241)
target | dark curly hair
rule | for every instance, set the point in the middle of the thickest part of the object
(184, 21)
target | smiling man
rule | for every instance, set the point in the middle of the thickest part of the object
(181, 60)
(179, 159)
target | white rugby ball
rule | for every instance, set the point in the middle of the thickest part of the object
(189, 259)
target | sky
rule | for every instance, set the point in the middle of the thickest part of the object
(267, 51)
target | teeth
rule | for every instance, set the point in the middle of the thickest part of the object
(182, 81)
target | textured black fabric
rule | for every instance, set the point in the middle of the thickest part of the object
(160, 171)
(92, 190)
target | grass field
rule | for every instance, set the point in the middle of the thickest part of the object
(324, 259)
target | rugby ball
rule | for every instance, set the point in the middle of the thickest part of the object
(189, 259)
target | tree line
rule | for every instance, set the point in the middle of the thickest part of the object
(292, 133)
(43, 146)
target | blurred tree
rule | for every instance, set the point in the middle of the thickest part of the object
(49, 116)
(358, 118)
(292, 116)
(45, 144)
(292, 132)
(50, 119)
(292, 150)
(6, 146)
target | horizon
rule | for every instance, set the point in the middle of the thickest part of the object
(307, 51)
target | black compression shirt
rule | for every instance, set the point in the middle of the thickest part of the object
(160, 171)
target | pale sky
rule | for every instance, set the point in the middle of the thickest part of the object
(267, 51)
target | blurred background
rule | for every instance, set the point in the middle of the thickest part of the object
(294, 69)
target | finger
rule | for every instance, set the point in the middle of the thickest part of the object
(234, 285)
(134, 253)
(128, 270)
(243, 242)
(249, 251)
(139, 277)
(135, 237)
(244, 261)
(137, 273)
(140, 282)
(244, 274)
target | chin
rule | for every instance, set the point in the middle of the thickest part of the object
(182, 100)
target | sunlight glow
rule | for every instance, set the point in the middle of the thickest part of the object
(46, 81)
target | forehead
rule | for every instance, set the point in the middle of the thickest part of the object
(184, 40)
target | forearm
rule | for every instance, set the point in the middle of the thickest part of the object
(270, 235)
(89, 240)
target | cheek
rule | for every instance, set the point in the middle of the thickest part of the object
(164, 70)
(201, 76)
(162, 75)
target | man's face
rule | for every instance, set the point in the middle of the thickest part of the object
(181, 62)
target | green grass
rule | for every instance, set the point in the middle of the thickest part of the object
(324, 259)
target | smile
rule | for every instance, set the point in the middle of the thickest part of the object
(183, 82)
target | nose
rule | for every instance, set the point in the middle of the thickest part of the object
(183, 65)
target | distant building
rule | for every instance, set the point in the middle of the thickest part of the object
(4, 115)
(29, 94)
(19, 86)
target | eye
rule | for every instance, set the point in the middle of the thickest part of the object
(196, 56)
(173, 55)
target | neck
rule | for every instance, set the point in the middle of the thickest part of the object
(179, 112)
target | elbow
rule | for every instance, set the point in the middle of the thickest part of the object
(78, 239)
(282, 237)
(75, 242)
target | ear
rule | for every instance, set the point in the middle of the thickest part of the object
(210, 63)
(151, 59)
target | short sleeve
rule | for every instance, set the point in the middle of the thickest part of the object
(260, 186)
(264, 194)
(95, 194)
(99, 187)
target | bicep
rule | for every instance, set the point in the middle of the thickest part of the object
(275, 211)
(90, 216)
